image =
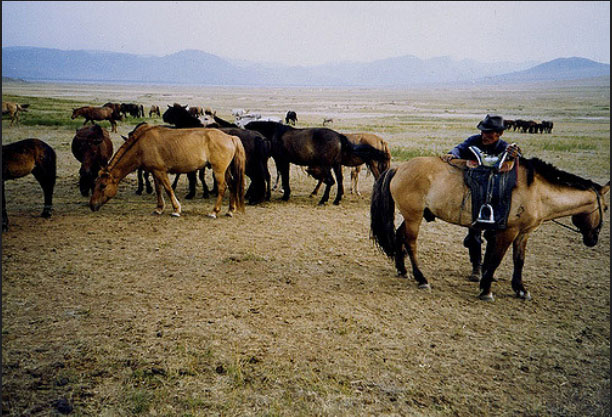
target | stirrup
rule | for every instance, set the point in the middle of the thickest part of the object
(482, 214)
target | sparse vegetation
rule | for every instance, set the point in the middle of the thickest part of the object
(289, 309)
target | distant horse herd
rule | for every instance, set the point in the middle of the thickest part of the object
(421, 188)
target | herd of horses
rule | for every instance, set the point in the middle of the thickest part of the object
(529, 126)
(420, 188)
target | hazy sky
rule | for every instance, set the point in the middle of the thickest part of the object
(310, 33)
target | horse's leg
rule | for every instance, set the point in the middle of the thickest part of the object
(316, 189)
(161, 204)
(497, 245)
(191, 176)
(219, 176)
(140, 186)
(406, 236)
(267, 180)
(5, 221)
(175, 182)
(47, 183)
(340, 181)
(201, 176)
(518, 256)
(473, 241)
(161, 179)
(148, 182)
(355, 179)
(329, 181)
(283, 167)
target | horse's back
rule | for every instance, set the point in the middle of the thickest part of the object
(20, 158)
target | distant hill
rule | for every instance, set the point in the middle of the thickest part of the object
(556, 70)
(201, 68)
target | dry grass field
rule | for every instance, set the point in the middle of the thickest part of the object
(289, 309)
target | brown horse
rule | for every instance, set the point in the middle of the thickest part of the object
(161, 149)
(13, 110)
(376, 167)
(429, 187)
(92, 147)
(96, 113)
(29, 156)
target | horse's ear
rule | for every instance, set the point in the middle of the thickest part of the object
(185, 106)
(605, 189)
(169, 106)
(124, 138)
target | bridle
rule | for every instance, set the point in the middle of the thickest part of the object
(599, 207)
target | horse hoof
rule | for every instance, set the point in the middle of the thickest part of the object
(158, 212)
(336, 203)
(229, 214)
(176, 214)
(475, 278)
(402, 274)
(487, 297)
(138, 192)
(524, 295)
(424, 287)
(212, 215)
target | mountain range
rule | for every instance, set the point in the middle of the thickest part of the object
(194, 67)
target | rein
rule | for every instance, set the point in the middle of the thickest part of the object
(599, 226)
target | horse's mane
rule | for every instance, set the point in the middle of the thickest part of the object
(223, 123)
(129, 142)
(555, 175)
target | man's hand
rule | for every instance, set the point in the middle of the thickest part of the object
(447, 157)
(513, 151)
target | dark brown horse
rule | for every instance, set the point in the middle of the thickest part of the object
(29, 156)
(316, 147)
(92, 147)
(154, 110)
(428, 187)
(96, 113)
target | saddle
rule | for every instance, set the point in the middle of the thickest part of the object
(491, 180)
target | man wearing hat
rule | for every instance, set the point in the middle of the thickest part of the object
(489, 142)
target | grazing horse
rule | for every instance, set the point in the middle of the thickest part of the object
(314, 147)
(116, 110)
(428, 187)
(92, 147)
(291, 118)
(154, 110)
(134, 110)
(256, 147)
(13, 110)
(356, 162)
(327, 120)
(96, 113)
(162, 149)
(29, 156)
(196, 111)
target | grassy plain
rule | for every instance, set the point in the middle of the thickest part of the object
(289, 309)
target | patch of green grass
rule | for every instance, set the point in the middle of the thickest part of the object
(404, 154)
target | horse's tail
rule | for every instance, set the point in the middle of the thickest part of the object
(382, 214)
(236, 174)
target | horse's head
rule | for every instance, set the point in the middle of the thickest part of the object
(105, 188)
(591, 222)
(75, 113)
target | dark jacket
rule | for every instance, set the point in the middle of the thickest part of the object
(462, 150)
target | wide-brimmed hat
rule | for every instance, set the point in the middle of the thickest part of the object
(491, 123)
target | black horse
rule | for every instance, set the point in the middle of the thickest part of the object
(29, 156)
(291, 117)
(257, 149)
(319, 147)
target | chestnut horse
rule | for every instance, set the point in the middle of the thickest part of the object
(429, 187)
(162, 149)
(29, 156)
(96, 113)
(92, 147)
(376, 167)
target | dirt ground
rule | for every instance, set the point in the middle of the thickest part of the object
(286, 310)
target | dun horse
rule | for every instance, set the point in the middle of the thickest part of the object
(161, 149)
(315, 147)
(13, 110)
(29, 156)
(92, 147)
(429, 187)
(96, 113)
